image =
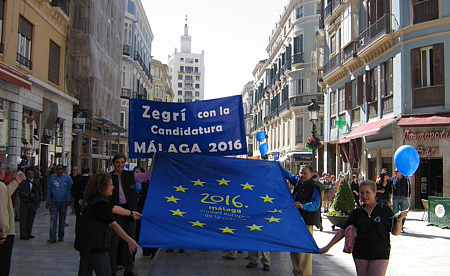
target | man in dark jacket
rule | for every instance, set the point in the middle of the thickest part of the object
(79, 184)
(307, 199)
(30, 193)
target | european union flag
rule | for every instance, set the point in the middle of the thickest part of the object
(220, 203)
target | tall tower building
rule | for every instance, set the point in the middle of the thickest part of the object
(188, 71)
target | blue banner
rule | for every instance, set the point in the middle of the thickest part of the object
(220, 203)
(213, 127)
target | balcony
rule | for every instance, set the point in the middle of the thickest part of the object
(381, 27)
(126, 50)
(62, 4)
(388, 104)
(24, 61)
(126, 93)
(332, 64)
(331, 8)
(428, 96)
(305, 99)
(284, 106)
(349, 52)
(373, 109)
(356, 115)
(298, 58)
(425, 11)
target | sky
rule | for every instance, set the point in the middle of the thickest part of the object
(234, 35)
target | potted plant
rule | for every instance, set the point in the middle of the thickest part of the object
(343, 204)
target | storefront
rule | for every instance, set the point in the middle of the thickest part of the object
(430, 135)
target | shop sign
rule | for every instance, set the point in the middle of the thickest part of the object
(423, 151)
(426, 136)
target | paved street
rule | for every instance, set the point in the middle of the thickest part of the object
(423, 250)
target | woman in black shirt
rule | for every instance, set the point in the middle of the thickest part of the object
(384, 189)
(373, 224)
(96, 226)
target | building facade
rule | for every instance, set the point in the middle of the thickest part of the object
(384, 79)
(35, 105)
(247, 102)
(188, 71)
(162, 82)
(286, 83)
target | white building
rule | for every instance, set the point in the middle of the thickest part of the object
(188, 71)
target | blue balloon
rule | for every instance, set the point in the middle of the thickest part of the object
(138, 187)
(263, 148)
(260, 136)
(407, 160)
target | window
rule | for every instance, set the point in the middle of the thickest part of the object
(300, 88)
(188, 86)
(341, 104)
(333, 103)
(428, 66)
(197, 78)
(196, 60)
(180, 93)
(346, 29)
(180, 77)
(127, 34)
(180, 84)
(122, 119)
(372, 85)
(188, 93)
(180, 100)
(321, 125)
(189, 78)
(332, 45)
(196, 69)
(319, 8)
(2, 11)
(189, 69)
(298, 130)
(188, 101)
(24, 42)
(181, 69)
(197, 94)
(387, 78)
(197, 86)
(299, 12)
(53, 62)
(181, 59)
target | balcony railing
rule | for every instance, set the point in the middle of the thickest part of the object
(284, 106)
(298, 58)
(126, 50)
(425, 11)
(332, 64)
(62, 4)
(388, 104)
(331, 7)
(127, 93)
(305, 99)
(381, 27)
(373, 109)
(349, 52)
(24, 61)
(356, 115)
(429, 96)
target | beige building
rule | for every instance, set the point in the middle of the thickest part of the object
(162, 82)
(35, 106)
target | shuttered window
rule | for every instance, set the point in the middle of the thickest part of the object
(360, 90)
(348, 95)
(53, 62)
(427, 66)
(24, 42)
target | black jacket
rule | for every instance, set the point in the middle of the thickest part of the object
(129, 189)
(303, 192)
(27, 195)
(77, 191)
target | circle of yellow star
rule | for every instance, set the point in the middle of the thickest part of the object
(177, 212)
(172, 199)
(180, 189)
(255, 227)
(197, 223)
(276, 211)
(247, 186)
(227, 230)
(267, 198)
(273, 219)
(198, 182)
(223, 181)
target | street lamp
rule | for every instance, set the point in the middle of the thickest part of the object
(313, 109)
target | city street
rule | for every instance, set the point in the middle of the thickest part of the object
(422, 250)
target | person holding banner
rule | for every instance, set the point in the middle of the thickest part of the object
(307, 199)
(125, 196)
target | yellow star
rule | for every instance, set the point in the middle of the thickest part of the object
(197, 223)
(267, 198)
(276, 211)
(198, 182)
(223, 181)
(247, 186)
(273, 219)
(255, 227)
(172, 199)
(177, 212)
(227, 230)
(180, 189)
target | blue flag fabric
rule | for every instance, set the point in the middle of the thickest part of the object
(219, 203)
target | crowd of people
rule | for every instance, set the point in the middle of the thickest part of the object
(108, 209)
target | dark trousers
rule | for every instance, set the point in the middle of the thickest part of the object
(5, 255)
(97, 262)
(27, 215)
(120, 253)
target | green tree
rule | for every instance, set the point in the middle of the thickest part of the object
(343, 202)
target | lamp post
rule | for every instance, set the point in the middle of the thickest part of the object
(313, 109)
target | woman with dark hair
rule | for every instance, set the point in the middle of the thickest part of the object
(374, 223)
(384, 189)
(96, 226)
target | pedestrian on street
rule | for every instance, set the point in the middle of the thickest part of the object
(374, 223)
(307, 199)
(96, 225)
(253, 257)
(401, 194)
(354, 186)
(78, 189)
(58, 199)
(384, 189)
(30, 193)
(125, 196)
(7, 224)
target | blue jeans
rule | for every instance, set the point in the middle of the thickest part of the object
(400, 203)
(57, 209)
